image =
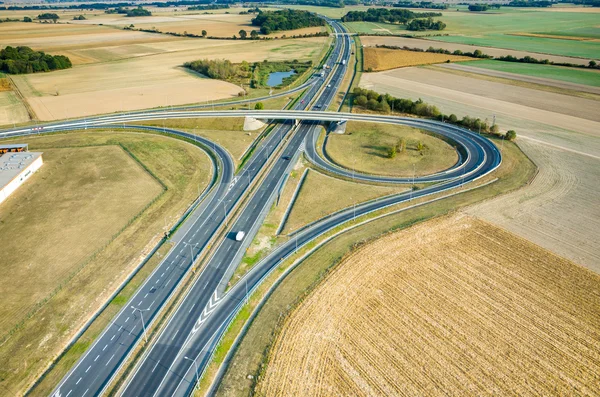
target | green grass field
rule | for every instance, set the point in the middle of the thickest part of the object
(571, 48)
(572, 75)
(500, 28)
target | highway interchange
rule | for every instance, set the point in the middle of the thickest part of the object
(183, 347)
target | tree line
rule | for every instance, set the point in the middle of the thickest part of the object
(385, 103)
(386, 15)
(20, 60)
(424, 4)
(272, 21)
(104, 6)
(415, 21)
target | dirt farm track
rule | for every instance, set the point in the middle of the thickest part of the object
(454, 306)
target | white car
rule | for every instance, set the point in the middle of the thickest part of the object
(239, 236)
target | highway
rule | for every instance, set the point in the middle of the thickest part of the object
(101, 362)
(185, 344)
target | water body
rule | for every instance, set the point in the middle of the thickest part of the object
(275, 78)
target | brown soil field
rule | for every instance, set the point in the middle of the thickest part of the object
(371, 41)
(558, 110)
(378, 59)
(364, 148)
(454, 306)
(77, 229)
(159, 79)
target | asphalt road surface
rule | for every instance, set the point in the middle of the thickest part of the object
(185, 345)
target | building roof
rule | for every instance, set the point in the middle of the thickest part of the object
(12, 164)
(14, 146)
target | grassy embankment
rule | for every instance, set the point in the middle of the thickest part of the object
(515, 171)
(364, 147)
(104, 233)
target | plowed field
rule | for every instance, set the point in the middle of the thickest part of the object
(455, 307)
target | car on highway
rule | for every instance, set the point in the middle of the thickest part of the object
(239, 236)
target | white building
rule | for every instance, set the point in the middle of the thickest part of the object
(16, 166)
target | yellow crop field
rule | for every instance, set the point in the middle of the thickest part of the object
(454, 306)
(378, 59)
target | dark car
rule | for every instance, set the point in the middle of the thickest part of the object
(286, 158)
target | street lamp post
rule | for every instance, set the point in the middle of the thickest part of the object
(197, 376)
(142, 316)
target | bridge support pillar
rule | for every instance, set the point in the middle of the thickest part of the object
(251, 124)
(339, 127)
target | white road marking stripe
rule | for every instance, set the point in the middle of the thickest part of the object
(192, 308)
(96, 359)
(105, 346)
(155, 366)
(78, 381)
(127, 319)
(111, 357)
(113, 337)
(69, 393)
(145, 296)
(175, 334)
(86, 371)
(120, 328)
(85, 392)
(168, 281)
(151, 303)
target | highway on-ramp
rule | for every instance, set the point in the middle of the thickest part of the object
(206, 310)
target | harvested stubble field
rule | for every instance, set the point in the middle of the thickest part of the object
(379, 59)
(364, 147)
(468, 94)
(454, 306)
(76, 229)
(119, 70)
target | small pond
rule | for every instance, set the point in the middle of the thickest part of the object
(275, 78)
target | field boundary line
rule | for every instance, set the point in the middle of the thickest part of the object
(286, 214)
(21, 97)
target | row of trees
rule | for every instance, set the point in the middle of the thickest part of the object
(134, 12)
(386, 15)
(107, 5)
(424, 4)
(425, 24)
(385, 103)
(272, 21)
(20, 60)
(48, 16)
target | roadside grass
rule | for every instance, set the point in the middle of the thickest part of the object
(267, 237)
(364, 147)
(571, 75)
(321, 195)
(358, 71)
(376, 28)
(250, 357)
(101, 258)
(72, 355)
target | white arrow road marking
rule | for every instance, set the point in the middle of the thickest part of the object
(208, 309)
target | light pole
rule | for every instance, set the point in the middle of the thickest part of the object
(197, 376)
(142, 316)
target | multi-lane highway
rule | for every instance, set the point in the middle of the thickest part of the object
(184, 345)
